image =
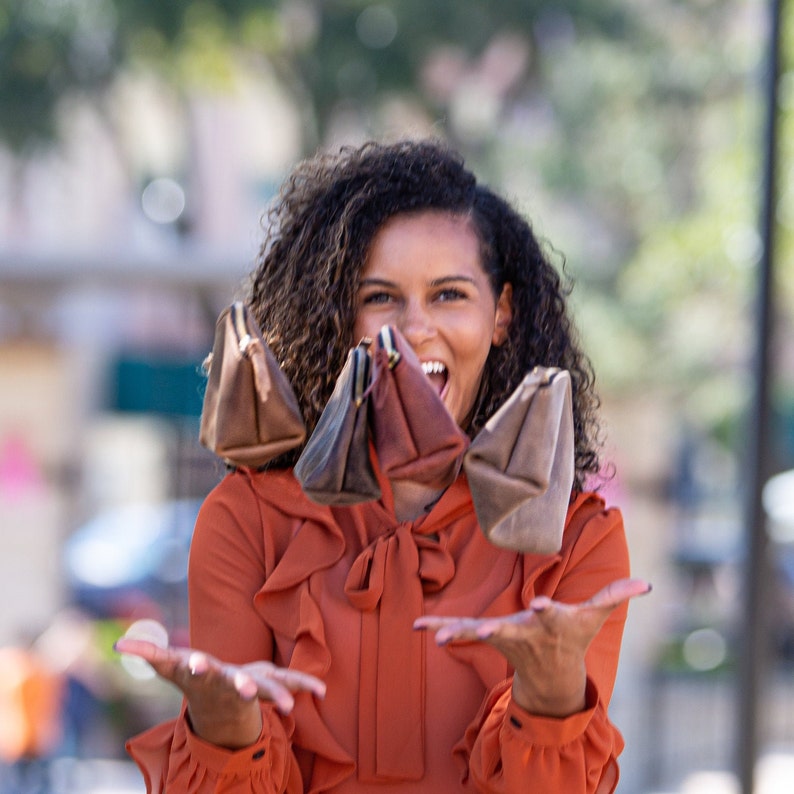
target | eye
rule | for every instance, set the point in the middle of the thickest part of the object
(450, 294)
(375, 298)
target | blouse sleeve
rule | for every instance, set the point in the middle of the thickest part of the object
(226, 569)
(172, 758)
(509, 749)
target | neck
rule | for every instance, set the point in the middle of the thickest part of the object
(412, 499)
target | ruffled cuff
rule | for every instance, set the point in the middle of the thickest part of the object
(172, 758)
(550, 731)
(507, 747)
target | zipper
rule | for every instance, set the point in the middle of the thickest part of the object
(360, 374)
(546, 374)
(386, 339)
(244, 339)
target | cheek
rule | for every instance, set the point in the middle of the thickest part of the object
(365, 326)
(474, 344)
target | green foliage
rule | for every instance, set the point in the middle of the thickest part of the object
(629, 132)
(48, 49)
(363, 48)
(340, 51)
(52, 49)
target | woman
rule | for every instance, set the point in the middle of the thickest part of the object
(388, 646)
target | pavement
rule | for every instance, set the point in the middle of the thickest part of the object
(89, 776)
(775, 775)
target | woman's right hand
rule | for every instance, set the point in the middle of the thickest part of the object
(223, 699)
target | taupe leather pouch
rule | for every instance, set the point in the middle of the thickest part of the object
(520, 466)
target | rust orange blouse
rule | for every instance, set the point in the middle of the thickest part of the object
(334, 592)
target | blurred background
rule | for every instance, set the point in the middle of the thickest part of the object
(140, 143)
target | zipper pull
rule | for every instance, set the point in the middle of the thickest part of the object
(238, 319)
(386, 340)
(361, 374)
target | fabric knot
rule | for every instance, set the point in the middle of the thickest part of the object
(436, 566)
(404, 553)
(386, 582)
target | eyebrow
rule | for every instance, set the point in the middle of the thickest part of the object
(382, 282)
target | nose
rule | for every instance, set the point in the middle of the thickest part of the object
(416, 324)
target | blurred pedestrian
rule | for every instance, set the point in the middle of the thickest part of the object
(31, 700)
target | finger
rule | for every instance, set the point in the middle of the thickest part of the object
(492, 626)
(141, 648)
(277, 683)
(154, 654)
(434, 622)
(198, 663)
(271, 689)
(540, 603)
(197, 668)
(459, 630)
(204, 673)
(298, 681)
(202, 670)
(617, 592)
(244, 683)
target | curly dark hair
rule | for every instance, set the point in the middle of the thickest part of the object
(304, 289)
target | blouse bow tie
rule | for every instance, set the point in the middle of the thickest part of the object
(386, 582)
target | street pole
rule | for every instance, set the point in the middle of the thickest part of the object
(753, 651)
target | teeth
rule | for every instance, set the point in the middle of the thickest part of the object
(433, 368)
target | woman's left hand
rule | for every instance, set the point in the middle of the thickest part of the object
(545, 644)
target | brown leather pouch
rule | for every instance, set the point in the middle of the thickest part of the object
(250, 414)
(415, 437)
(335, 466)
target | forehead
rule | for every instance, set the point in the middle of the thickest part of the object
(427, 240)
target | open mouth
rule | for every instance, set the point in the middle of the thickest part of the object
(437, 374)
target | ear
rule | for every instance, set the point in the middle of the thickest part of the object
(504, 315)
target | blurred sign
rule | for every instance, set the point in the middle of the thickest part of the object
(158, 385)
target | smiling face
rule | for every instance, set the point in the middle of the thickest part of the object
(424, 276)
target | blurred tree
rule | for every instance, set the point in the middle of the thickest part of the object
(344, 53)
(627, 130)
(53, 49)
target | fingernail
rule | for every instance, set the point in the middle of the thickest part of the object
(285, 705)
(195, 663)
(245, 685)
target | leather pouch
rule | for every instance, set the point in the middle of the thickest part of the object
(250, 414)
(335, 466)
(520, 466)
(415, 437)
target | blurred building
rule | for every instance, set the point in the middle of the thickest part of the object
(118, 249)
